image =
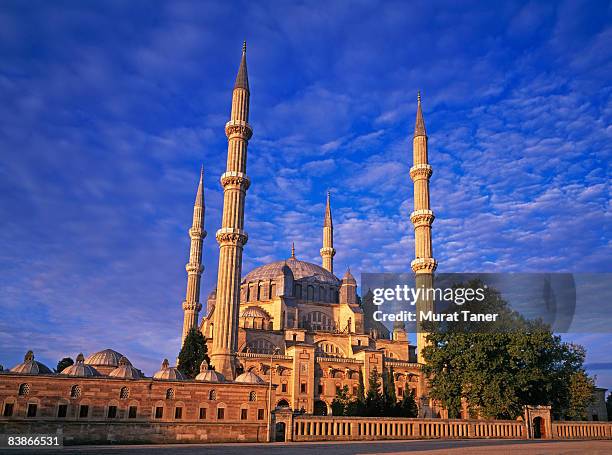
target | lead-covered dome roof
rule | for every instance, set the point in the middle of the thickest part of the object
(249, 378)
(107, 357)
(80, 369)
(169, 373)
(31, 366)
(254, 312)
(300, 269)
(125, 370)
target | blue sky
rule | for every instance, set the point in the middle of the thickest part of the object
(109, 109)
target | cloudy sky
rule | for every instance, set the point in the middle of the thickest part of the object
(109, 109)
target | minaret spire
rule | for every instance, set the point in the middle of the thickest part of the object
(232, 237)
(419, 125)
(242, 78)
(191, 304)
(293, 250)
(328, 251)
(422, 218)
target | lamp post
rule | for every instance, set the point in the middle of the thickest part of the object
(275, 351)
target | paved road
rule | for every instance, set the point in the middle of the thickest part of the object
(433, 447)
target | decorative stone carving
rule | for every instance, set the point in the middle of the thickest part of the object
(424, 265)
(237, 179)
(420, 172)
(238, 128)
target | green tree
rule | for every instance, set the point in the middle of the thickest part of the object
(193, 352)
(340, 402)
(373, 405)
(64, 363)
(390, 405)
(581, 389)
(609, 406)
(361, 387)
(497, 373)
(408, 406)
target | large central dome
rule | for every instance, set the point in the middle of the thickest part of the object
(300, 269)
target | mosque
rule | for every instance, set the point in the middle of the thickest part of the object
(294, 321)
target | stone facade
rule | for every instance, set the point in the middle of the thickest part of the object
(105, 409)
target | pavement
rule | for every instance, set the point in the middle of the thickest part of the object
(434, 447)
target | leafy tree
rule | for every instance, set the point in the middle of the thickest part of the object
(497, 373)
(609, 406)
(193, 352)
(64, 363)
(581, 389)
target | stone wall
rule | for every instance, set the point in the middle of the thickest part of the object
(107, 409)
(103, 432)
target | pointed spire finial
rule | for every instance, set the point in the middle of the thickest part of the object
(242, 79)
(419, 126)
(199, 200)
(293, 250)
(328, 216)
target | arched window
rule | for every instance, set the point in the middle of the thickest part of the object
(253, 396)
(310, 292)
(124, 393)
(261, 346)
(298, 291)
(212, 395)
(322, 295)
(282, 404)
(170, 394)
(328, 349)
(24, 389)
(316, 320)
(75, 391)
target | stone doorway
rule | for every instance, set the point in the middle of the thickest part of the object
(539, 430)
(320, 408)
(280, 432)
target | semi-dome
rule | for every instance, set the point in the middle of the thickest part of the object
(79, 368)
(169, 373)
(300, 269)
(207, 375)
(254, 312)
(30, 366)
(107, 357)
(125, 370)
(249, 378)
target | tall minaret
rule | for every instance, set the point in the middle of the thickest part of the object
(232, 237)
(192, 305)
(424, 264)
(328, 251)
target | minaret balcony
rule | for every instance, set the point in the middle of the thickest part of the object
(422, 218)
(233, 236)
(327, 251)
(420, 172)
(192, 306)
(236, 179)
(238, 128)
(197, 233)
(424, 265)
